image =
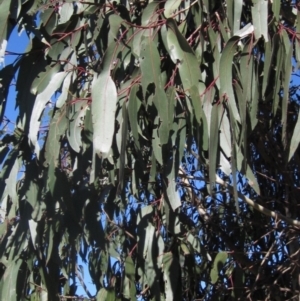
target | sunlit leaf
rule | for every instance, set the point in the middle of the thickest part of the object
(260, 19)
(170, 7)
(104, 97)
(41, 100)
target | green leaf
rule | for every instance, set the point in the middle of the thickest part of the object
(50, 240)
(171, 95)
(114, 27)
(295, 139)
(48, 20)
(297, 42)
(150, 65)
(61, 100)
(136, 43)
(244, 95)
(182, 54)
(102, 295)
(267, 64)
(195, 242)
(3, 211)
(170, 7)
(41, 82)
(68, 26)
(213, 145)
(156, 145)
(133, 108)
(4, 150)
(224, 131)
(57, 128)
(218, 264)
(276, 10)
(104, 99)
(278, 48)
(196, 102)
(237, 12)
(7, 169)
(162, 104)
(233, 129)
(40, 102)
(260, 19)
(111, 296)
(228, 53)
(172, 193)
(286, 73)
(65, 12)
(148, 254)
(33, 233)
(124, 132)
(5, 27)
(130, 274)
(126, 288)
(8, 282)
(76, 116)
(149, 14)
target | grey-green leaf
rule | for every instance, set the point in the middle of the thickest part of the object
(104, 99)
(39, 105)
(218, 264)
(170, 7)
(295, 138)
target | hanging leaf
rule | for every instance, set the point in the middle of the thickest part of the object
(65, 91)
(213, 145)
(76, 117)
(65, 12)
(56, 131)
(209, 100)
(260, 19)
(124, 132)
(170, 7)
(39, 105)
(41, 82)
(33, 232)
(218, 264)
(5, 27)
(182, 54)
(226, 89)
(295, 139)
(172, 194)
(8, 285)
(162, 104)
(238, 7)
(130, 273)
(133, 108)
(104, 98)
(150, 65)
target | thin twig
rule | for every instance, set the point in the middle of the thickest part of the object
(247, 200)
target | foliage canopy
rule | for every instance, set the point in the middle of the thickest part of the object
(132, 119)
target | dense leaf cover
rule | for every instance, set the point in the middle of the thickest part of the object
(154, 105)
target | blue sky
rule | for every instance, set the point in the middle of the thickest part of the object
(17, 44)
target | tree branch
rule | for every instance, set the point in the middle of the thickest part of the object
(247, 200)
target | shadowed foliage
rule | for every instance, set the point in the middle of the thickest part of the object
(157, 143)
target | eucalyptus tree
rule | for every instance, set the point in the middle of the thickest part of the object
(155, 140)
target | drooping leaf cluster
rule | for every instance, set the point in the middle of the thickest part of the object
(157, 142)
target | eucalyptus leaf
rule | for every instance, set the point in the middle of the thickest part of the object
(104, 98)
